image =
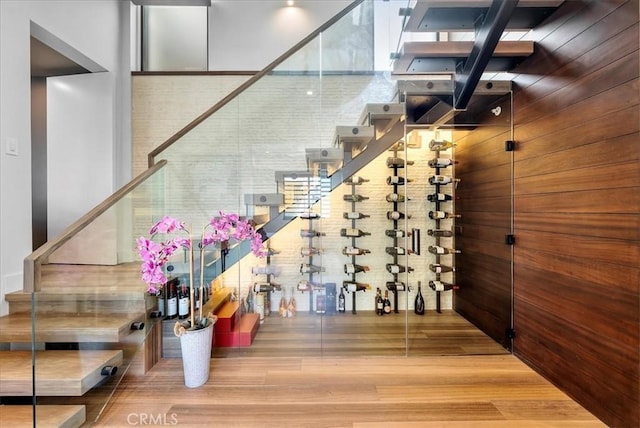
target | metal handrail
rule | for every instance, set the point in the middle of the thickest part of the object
(32, 269)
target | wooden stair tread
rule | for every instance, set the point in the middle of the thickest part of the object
(78, 294)
(58, 373)
(62, 416)
(247, 323)
(61, 327)
(444, 57)
(463, 48)
(228, 310)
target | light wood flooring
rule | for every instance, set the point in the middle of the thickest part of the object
(357, 376)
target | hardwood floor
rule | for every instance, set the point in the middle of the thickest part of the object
(357, 377)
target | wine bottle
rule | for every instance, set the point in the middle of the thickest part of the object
(352, 286)
(351, 268)
(304, 285)
(355, 180)
(265, 270)
(396, 233)
(341, 301)
(439, 215)
(394, 179)
(309, 215)
(320, 304)
(353, 233)
(441, 162)
(397, 215)
(396, 286)
(396, 197)
(395, 268)
(440, 145)
(418, 306)
(162, 302)
(379, 303)
(442, 286)
(436, 249)
(395, 162)
(439, 197)
(442, 179)
(354, 251)
(172, 300)
(291, 306)
(310, 251)
(438, 268)
(354, 198)
(309, 233)
(387, 303)
(262, 287)
(443, 233)
(397, 251)
(183, 302)
(309, 268)
(250, 302)
(355, 215)
(282, 306)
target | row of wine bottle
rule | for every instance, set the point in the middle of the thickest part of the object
(176, 302)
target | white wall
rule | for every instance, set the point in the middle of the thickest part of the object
(99, 30)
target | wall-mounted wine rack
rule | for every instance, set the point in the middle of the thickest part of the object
(263, 288)
(309, 269)
(352, 285)
(397, 233)
(439, 199)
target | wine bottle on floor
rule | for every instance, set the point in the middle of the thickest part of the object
(387, 302)
(341, 301)
(418, 306)
(379, 303)
(291, 306)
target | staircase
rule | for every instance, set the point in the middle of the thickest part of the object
(86, 333)
(86, 316)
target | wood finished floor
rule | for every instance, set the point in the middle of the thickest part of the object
(357, 377)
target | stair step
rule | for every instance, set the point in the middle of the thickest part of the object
(383, 116)
(462, 15)
(242, 335)
(57, 373)
(63, 416)
(324, 158)
(75, 300)
(445, 57)
(64, 327)
(353, 139)
(228, 316)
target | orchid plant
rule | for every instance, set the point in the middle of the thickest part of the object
(220, 229)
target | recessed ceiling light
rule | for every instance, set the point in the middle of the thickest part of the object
(290, 2)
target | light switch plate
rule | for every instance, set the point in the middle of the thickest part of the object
(11, 146)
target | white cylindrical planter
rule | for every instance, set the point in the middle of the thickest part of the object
(196, 355)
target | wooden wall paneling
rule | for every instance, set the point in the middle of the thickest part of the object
(575, 369)
(613, 251)
(604, 152)
(571, 19)
(597, 225)
(531, 143)
(577, 207)
(483, 269)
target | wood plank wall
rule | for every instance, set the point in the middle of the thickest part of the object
(484, 266)
(577, 205)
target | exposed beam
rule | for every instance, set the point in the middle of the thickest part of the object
(487, 38)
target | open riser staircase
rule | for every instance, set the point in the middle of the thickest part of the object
(88, 333)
